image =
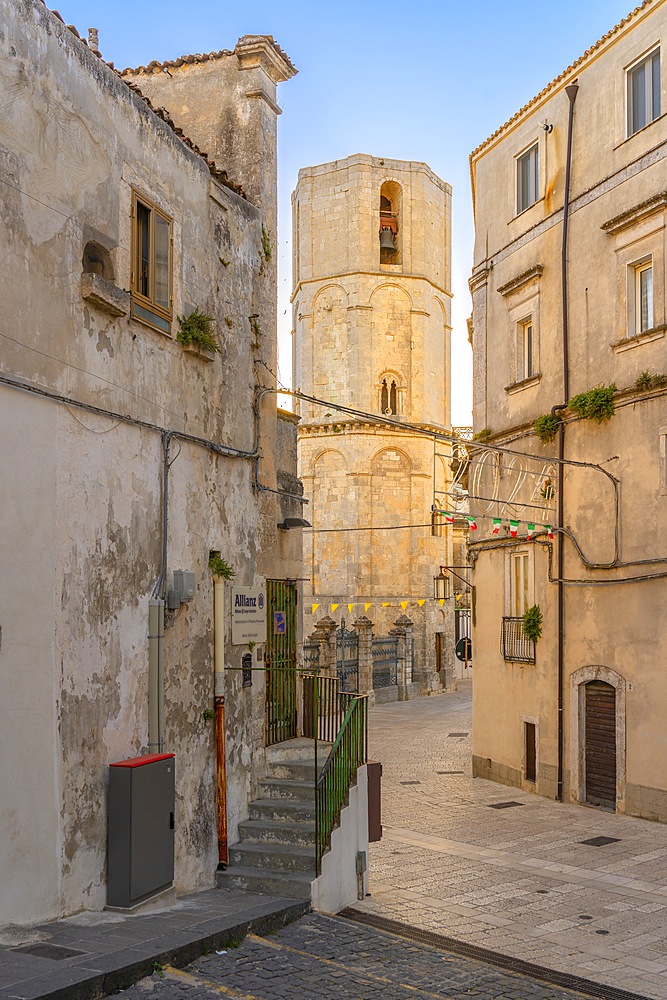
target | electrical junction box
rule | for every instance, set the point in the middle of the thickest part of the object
(184, 584)
(141, 829)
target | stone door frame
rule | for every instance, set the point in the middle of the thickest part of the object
(578, 681)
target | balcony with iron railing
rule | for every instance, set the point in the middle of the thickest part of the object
(516, 646)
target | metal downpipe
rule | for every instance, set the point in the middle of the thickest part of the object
(571, 92)
(219, 701)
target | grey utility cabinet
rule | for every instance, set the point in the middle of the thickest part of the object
(141, 828)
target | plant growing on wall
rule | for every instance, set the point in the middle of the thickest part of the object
(482, 435)
(546, 427)
(219, 567)
(197, 328)
(649, 380)
(532, 623)
(267, 249)
(596, 404)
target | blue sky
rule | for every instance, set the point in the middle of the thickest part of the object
(425, 80)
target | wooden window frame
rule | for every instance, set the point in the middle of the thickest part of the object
(525, 353)
(145, 308)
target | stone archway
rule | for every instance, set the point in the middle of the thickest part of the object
(578, 681)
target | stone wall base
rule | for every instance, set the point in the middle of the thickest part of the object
(406, 692)
(383, 696)
(484, 767)
(648, 803)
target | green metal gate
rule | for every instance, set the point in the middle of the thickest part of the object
(280, 661)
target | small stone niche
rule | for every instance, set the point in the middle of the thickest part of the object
(97, 281)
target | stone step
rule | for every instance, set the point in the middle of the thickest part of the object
(293, 885)
(299, 749)
(295, 770)
(278, 810)
(277, 832)
(286, 788)
(275, 857)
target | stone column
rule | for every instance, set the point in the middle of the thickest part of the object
(403, 631)
(325, 630)
(364, 628)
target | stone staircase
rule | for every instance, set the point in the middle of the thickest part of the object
(276, 852)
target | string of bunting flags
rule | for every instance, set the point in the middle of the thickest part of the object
(418, 602)
(531, 527)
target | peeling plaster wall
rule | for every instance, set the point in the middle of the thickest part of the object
(80, 492)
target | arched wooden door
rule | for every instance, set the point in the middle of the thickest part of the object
(600, 744)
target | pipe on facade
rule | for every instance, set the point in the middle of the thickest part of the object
(155, 675)
(219, 696)
(571, 92)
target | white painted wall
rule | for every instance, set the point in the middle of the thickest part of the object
(337, 885)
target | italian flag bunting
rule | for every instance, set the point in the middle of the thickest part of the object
(531, 529)
(514, 527)
(549, 530)
(471, 522)
(449, 518)
(497, 521)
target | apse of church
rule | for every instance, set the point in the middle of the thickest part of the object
(371, 301)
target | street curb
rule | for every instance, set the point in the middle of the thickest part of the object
(553, 977)
(177, 948)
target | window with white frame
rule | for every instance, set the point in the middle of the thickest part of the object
(643, 91)
(519, 584)
(525, 354)
(643, 295)
(527, 174)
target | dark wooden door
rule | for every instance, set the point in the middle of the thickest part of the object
(601, 744)
(280, 656)
(439, 651)
(531, 751)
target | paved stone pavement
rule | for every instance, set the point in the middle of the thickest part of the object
(516, 880)
(328, 958)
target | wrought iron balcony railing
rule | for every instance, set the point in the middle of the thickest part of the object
(516, 645)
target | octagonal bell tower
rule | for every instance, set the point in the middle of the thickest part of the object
(371, 299)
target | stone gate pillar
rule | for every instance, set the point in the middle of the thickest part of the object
(364, 628)
(325, 634)
(403, 631)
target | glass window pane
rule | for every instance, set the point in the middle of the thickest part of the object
(646, 298)
(142, 265)
(638, 98)
(161, 261)
(655, 82)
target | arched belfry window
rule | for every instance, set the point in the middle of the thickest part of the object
(389, 396)
(390, 207)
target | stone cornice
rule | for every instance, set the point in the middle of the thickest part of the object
(633, 216)
(261, 50)
(522, 279)
(479, 278)
(386, 278)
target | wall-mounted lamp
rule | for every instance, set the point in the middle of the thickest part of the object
(294, 522)
(441, 586)
(548, 128)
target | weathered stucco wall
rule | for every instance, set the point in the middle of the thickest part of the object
(82, 491)
(612, 629)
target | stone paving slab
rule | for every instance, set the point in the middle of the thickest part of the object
(118, 950)
(515, 879)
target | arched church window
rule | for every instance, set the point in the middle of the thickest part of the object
(388, 397)
(389, 209)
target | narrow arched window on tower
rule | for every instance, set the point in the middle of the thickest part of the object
(384, 397)
(388, 397)
(388, 230)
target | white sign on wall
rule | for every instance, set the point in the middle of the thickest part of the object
(248, 615)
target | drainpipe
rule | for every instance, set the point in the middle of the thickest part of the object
(219, 694)
(571, 92)
(156, 622)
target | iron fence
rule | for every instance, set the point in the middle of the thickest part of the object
(347, 755)
(385, 661)
(516, 644)
(347, 658)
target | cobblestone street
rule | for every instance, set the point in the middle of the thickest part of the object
(505, 870)
(327, 957)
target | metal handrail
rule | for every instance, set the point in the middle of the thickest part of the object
(347, 754)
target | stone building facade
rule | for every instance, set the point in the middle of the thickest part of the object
(125, 455)
(372, 276)
(569, 296)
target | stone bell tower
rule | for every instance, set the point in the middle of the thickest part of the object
(372, 276)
